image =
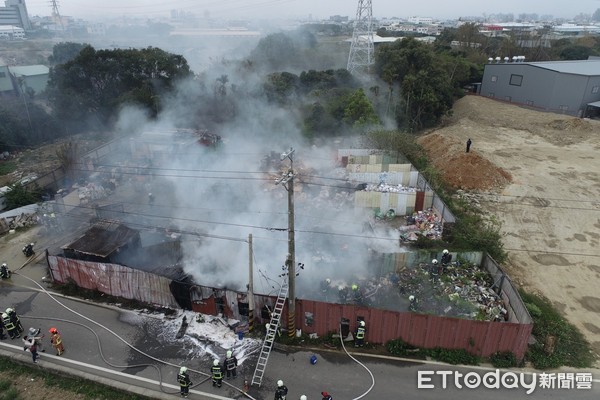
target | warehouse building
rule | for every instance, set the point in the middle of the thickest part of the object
(566, 87)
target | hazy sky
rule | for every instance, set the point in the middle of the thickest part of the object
(316, 8)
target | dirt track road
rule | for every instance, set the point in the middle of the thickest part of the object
(550, 212)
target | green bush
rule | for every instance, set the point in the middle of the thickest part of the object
(571, 348)
(504, 359)
(533, 310)
(454, 356)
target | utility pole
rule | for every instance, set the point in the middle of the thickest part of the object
(288, 179)
(250, 285)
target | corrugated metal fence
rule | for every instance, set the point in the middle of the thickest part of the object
(113, 279)
(479, 337)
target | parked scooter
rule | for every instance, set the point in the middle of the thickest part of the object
(28, 250)
(4, 271)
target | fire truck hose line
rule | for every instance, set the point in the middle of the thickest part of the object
(207, 376)
(359, 363)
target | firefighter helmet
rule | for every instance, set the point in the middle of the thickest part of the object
(445, 251)
(4, 315)
(53, 330)
(362, 323)
(4, 265)
(434, 261)
(411, 298)
(9, 310)
(216, 362)
(303, 397)
(328, 281)
(355, 287)
(182, 370)
(229, 353)
(279, 383)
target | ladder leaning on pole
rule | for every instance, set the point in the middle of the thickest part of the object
(261, 364)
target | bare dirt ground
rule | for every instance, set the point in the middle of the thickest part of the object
(539, 173)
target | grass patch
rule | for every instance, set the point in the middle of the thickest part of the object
(571, 348)
(89, 389)
(7, 167)
(504, 359)
(400, 348)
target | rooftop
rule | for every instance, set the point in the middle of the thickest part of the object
(103, 239)
(29, 70)
(576, 67)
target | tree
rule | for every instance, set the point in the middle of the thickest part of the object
(19, 196)
(68, 154)
(596, 15)
(95, 84)
(359, 111)
(64, 52)
(426, 87)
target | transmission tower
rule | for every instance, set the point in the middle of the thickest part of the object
(56, 14)
(362, 50)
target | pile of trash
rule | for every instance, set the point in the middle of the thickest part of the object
(463, 290)
(386, 188)
(421, 223)
(92, 192)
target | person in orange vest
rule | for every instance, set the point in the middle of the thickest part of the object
(56, 341)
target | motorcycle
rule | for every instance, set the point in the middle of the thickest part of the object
(4, 272)
(28, 250)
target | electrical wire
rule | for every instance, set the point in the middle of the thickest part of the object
(122, 340)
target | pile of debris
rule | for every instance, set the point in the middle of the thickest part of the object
(22, 220)
(425, 223)
(92, 192)
(386, 188)
(463, 290)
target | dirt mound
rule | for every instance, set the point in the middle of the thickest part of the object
(461, 170)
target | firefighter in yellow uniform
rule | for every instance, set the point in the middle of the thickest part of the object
(360, 334)
(56, 341)
(217, 373)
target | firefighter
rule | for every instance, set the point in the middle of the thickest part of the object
(281, 391)
(357, 294)
(217, 373)
(230, 365)
(184, 382)
(56, 341)
(14, 318)
(360, 334)
(412, 306)
(4, 271)
(10, 327)
(2, 337)
(325, 286)
(433, 270)
(326, 396)
(446, 260)
(343, 294)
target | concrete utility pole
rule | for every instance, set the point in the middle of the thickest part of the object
(250, 285)
(288, 179)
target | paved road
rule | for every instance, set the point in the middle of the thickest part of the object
(333, 372)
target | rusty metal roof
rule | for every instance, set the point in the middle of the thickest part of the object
(103, 238)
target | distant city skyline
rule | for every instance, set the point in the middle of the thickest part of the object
(318, 9)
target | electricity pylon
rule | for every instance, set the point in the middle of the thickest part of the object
(362, 49)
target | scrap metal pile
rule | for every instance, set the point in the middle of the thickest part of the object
(463, 290)
(387, 188)
(425, 223)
